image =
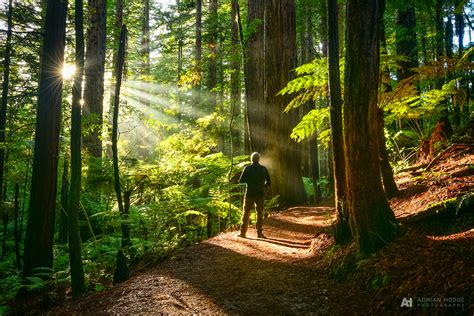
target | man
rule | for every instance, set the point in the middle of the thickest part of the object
(257, 178)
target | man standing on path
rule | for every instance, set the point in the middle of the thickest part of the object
(257, 179)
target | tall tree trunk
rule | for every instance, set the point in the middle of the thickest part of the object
(75, 247)
(117, 185)
(116, 38)
(4, 104)
(145, 50)
(63, 218)
(372, 221)
(406, 41)
(15, 228)
(280, 60)
(40, 229)
(94, 77)
(342, 233)
(198, 53)
(439, 35)
(213, 33)
(180, 61)
(389, 184)
(448, 38)
(255, 77)
(443, 121)
(146, 39)
(459, 21)
(235, 79)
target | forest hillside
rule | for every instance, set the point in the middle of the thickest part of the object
(299, 269)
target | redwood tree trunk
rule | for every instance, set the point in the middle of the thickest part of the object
(406, 41)
(235, 79)
(280, 59)
(40, 229)
(372, 221)
(75, 247)
(342, 233)
(4, 104)
(94, 77)
(255, 77)
(198, 52)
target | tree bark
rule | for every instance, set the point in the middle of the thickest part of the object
(4, 104)
(15, 228)
(342, 233)
(406, 41)
(448, 38)
(235, 79)
(94, 77)
(117, 185)
(459, 21)
(75, 246)
(198, 53)
(40, 228)
(439, 35)
(255, 77)
(280, 59)
(372, 221)
(63, 218)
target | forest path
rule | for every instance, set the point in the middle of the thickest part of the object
(230, 275)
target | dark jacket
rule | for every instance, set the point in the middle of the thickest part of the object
(257, 178)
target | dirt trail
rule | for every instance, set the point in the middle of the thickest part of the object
(229, 275)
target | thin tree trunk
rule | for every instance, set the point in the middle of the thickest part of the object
(235, 80)
(15, 228)
(373, 223)
(459, 21)
(342, 233)
(145, 50)
(314, 166)
(439, 35)
(63, 229)
(389, 184)
(5, 218)
(4, 104)
(117, 185)
(448, 38)
(444, 122)
(40, 229)
(212, 82)
(198, 53)
(75, 247)
(180, 61)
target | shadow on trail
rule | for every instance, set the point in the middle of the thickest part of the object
(258, 276)
(283, 242)
(242, 284)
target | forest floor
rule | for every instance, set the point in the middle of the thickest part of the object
(298, 269)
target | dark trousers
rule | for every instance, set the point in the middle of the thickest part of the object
(249, 203)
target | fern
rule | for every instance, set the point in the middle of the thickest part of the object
(311, 122)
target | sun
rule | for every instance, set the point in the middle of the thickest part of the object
(68, 71)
